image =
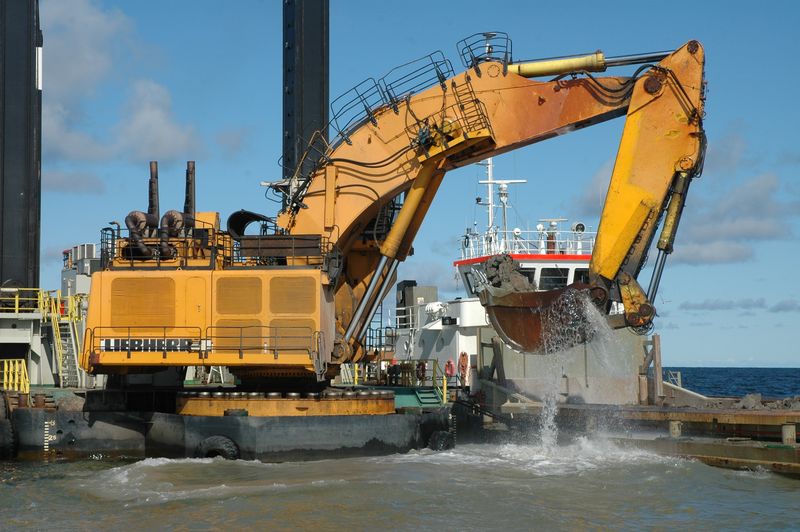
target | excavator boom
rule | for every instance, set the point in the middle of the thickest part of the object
(406, 147)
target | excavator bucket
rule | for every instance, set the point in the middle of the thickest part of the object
(539, 322)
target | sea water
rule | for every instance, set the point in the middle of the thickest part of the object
(537, 483)
(587, 483)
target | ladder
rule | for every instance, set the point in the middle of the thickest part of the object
(472, 114)
(64, 341)
(346, 375)
(428, 397)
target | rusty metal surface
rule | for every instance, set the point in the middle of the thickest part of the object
(526, 320)
(655, 413)
(782, 459)
(199, 406)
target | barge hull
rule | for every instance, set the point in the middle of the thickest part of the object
(42, 433)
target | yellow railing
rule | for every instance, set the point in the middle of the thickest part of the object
(20, 300)
(58, 345)
(45, 302)
(437, 377)
(50, 305)
(15, 376)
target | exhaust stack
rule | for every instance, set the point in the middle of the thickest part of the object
(152, 204)
(137, 221)
(173, 222)
(188, 204)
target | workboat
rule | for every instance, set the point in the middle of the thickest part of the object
(459, 333)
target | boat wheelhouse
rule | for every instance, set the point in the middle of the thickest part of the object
(552, 256)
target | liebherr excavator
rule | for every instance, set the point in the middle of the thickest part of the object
(295, 300)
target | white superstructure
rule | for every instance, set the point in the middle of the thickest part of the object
(552, 256)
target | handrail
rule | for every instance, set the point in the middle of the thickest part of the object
(58, 345)
(474, 244)
(15, 376)
(21, 300)
(440, 390)
(51, 306)
(208, 342)
(198, 243)
(253, 338)
(438, 377)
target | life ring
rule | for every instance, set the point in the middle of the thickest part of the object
(422, 369)
(450, 368)
(218, 446)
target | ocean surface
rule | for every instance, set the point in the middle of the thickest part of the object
(736, 382)
(536, 483)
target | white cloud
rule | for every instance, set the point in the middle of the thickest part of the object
(72, 182)
(63, 140)
(787, 305)
(79, 45)
(726, 229)
(431, 273)
(87, 45)
(148, 129)
(724, 304)
(52, 254)
(232, 140)
(726, 154)
(590, 202)
(710, 252)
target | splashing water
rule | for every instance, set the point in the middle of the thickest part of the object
(568, 321)
(572, 320)
(548, 429)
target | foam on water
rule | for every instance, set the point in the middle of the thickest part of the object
(539, 459)
(588, 483)
(159, 480)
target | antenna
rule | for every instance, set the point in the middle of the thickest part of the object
(502, 184)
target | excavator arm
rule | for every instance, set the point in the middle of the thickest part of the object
(372, 189)
(661, 150)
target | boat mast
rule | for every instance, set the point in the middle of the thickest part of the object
(490, 182)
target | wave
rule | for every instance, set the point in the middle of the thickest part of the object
(584, 454)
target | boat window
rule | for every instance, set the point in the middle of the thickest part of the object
(530, 274)
(581, 275)
(470, 282)
(552, 278)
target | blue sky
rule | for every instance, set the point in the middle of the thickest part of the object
(127, 82)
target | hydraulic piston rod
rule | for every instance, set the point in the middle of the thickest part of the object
(596, 62)
(669, 230)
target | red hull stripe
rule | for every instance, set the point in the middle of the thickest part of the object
(552, 257)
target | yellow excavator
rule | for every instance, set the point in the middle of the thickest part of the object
(293, 300)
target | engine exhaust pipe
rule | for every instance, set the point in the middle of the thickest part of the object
(188, 204)
(137, 221)
(173, 221)
(171, 224)
(153, 213)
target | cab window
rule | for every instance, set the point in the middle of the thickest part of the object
(581, 275)
(552, 278)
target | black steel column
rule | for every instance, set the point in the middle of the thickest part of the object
(20, 142)
(305, 77)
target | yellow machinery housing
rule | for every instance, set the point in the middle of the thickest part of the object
(212, 305)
